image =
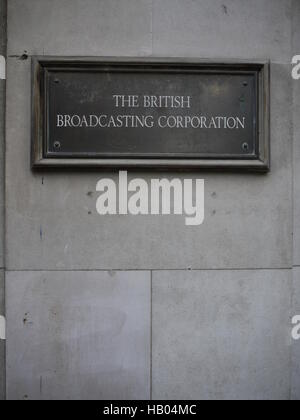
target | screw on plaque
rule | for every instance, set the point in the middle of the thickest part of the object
(57, 145)
(56, 81)
(245, 147)
(245, 83)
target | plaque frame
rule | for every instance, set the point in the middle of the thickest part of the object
(38, 159)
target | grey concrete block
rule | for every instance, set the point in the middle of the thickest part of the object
(78, 335)
(296, 112)
(297, 179)
(223, 28)
(295, 23)
(52, 221)
(2, 343)
(73, 27)
(221, 334)
(295, 368)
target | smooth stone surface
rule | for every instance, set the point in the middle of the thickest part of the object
(78, 335)
(221, 334)
(74, 27)
(256, 29)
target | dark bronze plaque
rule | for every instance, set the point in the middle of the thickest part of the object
(163, 113)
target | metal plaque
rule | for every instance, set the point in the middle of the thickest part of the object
(150, 113)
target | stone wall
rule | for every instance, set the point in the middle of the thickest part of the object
(144, 306)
